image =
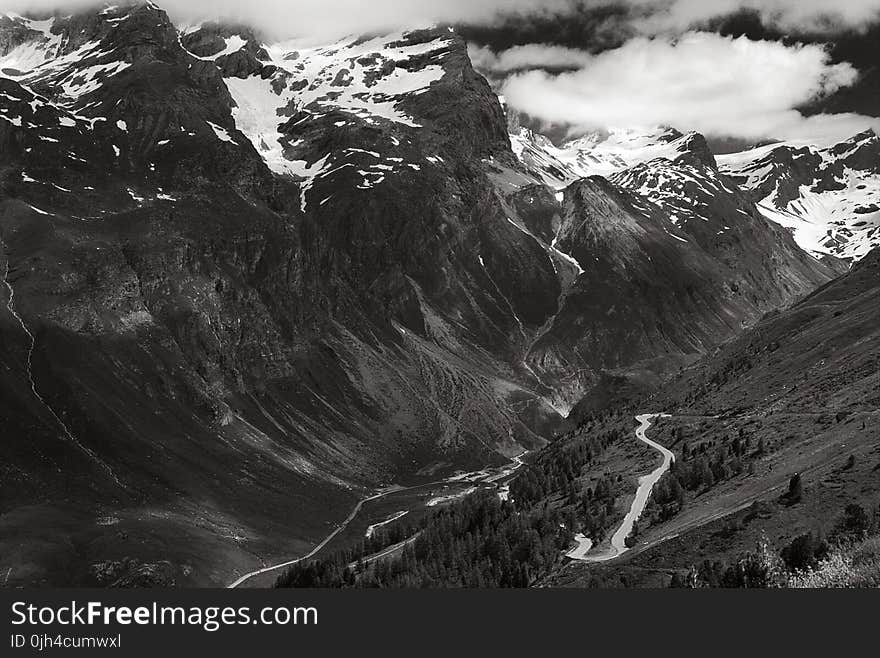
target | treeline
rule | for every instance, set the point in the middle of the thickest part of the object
(480, 541)
(705, 465)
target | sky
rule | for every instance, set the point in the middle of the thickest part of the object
(634, 63)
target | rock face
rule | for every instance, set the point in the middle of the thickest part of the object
(245, 283)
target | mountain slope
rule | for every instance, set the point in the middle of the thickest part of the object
(820, 354)
(795, 394)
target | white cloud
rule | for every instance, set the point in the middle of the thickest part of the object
(826, 128)
(530, 56)
(701, 81)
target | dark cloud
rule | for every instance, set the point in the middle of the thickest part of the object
(584, 26)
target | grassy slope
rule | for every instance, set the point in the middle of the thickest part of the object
(804, 384)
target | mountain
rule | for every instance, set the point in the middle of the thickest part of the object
(826, 196)
(246, 284)
(601, 153)
(666, 231)
(829, 198)
(227, 343)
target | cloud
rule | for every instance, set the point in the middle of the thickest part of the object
(701, 81)
(531, 56)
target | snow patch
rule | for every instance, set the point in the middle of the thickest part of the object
(221, 132)
(367, 79)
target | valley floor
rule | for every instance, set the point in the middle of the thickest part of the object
(417, 501)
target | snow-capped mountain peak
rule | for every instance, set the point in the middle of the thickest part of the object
(829, 197)
(605, 153)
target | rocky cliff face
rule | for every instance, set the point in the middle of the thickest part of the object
(246, 283)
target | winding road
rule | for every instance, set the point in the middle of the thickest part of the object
(582, 553)
(618, 547)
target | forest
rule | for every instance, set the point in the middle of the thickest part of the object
(483, 541)
(478, 542)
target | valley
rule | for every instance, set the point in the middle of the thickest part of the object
(262, 297)
(418, 500)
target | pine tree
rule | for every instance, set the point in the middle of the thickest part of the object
(795, 489)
